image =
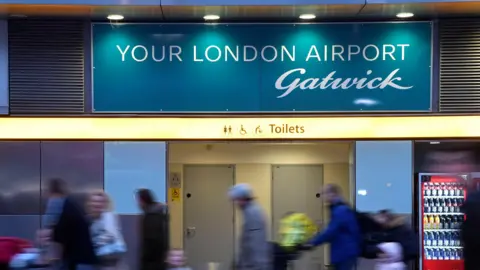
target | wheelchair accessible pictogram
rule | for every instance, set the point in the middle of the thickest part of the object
(243, 131)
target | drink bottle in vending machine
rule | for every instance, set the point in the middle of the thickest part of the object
(441, 197)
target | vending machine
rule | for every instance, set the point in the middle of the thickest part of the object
(441, 197)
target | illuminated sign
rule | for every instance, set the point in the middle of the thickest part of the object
(355, 67)
(419, 127)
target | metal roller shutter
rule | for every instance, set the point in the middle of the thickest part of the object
(46, 61)
(459, 66)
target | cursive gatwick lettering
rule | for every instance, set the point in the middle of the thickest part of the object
(286, 84)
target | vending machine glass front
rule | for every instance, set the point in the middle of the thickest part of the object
(441, 197)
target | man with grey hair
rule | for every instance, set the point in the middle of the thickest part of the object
(254, 248)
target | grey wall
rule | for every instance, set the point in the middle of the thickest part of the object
(24, 169)
(119, 167)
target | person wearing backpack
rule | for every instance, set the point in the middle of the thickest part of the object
(343, 232)
(395, 230)
(393, 244)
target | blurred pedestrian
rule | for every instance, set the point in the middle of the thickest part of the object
(72, 231)
(343, 232)
(154, 234)
(106, 232)
(177, 260)
(390, 257)
(56, 195)
(254, 252)
(395, 230)
(470, 229)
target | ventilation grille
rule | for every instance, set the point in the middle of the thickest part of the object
(46, 61)
(459, 66)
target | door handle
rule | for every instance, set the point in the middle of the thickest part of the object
(190, 232)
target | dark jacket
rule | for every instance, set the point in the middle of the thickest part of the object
(394, 231)
(342, 233)
(370, 230)
(154, 238)
(72, 231)
(469, 231)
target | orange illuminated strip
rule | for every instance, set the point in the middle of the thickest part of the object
(231, 128)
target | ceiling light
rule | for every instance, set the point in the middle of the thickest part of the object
(211, 17)
(434, 142)
(404, 15)
(307, 16)
(115, 17)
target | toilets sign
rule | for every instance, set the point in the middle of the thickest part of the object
(196, 68)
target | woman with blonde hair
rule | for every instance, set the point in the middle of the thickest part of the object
(105, 231)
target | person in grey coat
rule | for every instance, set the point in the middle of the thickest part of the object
(254, 248)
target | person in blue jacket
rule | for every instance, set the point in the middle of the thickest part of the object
(343, 232)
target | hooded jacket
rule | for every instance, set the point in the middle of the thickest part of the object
(154, 237)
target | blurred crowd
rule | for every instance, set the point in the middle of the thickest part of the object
(88, 237)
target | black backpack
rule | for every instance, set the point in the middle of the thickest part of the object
(370, 236)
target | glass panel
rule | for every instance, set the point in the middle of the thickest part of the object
(133, 165)
(383, 174)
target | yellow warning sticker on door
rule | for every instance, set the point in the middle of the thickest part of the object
(175, 194)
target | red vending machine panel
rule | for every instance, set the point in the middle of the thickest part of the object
(441, 198)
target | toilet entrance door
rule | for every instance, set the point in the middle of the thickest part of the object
(296, 188)
(208, 216)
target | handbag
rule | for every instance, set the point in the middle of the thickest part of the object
(113, 248)
(108, 247)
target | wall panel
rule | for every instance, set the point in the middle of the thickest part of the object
(22, 226)
(80, 164)
(384, 173)
(133, 165)
(19, 178)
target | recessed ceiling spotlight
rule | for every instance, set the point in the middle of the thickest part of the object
(211, 17)
(115, 17)
(403, 15)
(307, 16)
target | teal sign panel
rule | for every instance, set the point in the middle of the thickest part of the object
(216, 68)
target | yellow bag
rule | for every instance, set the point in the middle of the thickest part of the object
(296, 228)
